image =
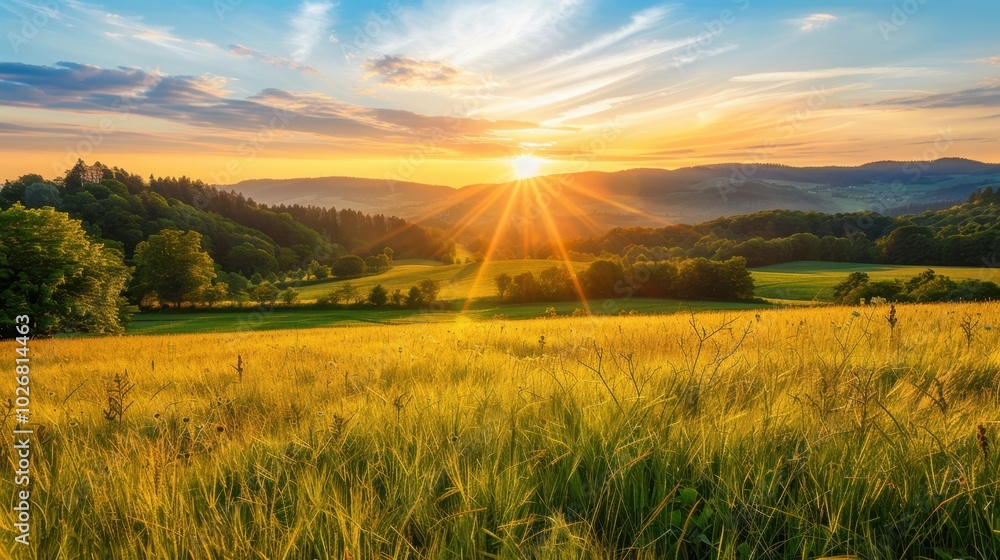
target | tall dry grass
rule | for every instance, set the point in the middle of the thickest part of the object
(795, 433)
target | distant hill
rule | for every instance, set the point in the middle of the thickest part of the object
(966, 234)
(590, 203)
(364, 195)
(123, 209)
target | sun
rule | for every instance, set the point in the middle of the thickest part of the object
(525, 166)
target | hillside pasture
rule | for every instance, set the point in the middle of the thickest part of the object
(814, 281)
(458, 281)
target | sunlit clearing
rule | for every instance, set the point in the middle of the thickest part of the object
(525, 166)
(528, 203)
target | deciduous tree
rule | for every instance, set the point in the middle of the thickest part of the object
(173, 264)
(51, 271)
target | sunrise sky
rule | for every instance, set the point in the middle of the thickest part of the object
(459, 92)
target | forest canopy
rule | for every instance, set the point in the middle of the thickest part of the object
(964, 235)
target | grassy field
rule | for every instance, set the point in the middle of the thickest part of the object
(458, 281)
(790, 283)
(307, 317)
(798, 281)
(814, 281)
(780, 433)
(257, 320)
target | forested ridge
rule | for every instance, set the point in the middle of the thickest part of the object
(122, 209)
(964, 235)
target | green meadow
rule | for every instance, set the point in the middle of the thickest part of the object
(305, 317)
(814, 281)
(785, 284)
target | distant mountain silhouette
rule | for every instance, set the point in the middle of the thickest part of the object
(591, 202)
(365, 195)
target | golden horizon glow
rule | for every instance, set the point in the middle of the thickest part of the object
(452, 95)
(526, 166)
(529, 209)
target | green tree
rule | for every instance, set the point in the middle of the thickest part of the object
(448, 252)
(250, 259)
(236, 282)
(218, 292)
(288, 296)
(429, 290)
(724, 281)
(556, 283)
(348, 294)
(377, 263)
(524, 287)
(735, 281)
(909, 244)
(919, 280)
(503, 282)
(397, 297)
(319, 271)
(937, 288)
(51, 271)
(39, 195)
(414, 298)
(378, 296)
(287, 258)
(890, 290)
(331, 297)
(13, 191)
(660, 279)
(265, 292)
(604, 279)
(349, 266)
(854, 281)
(172, 264)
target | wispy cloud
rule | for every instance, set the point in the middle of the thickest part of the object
(67, 84)
(406, 72)
(204, 101)
(309, 26)
(605, 105)
(611, 71)
(271, 60)
(985, 94)
(640, 21)
(135, 28)
(992, 60)
(132, 30)
(477, 34)
(815, 21)
(829, 73)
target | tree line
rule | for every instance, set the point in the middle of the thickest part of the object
(964, 235)
(81, 252)
(687, 279)
(425, 293)
(926, 287)
(122, 209)
(55, 272)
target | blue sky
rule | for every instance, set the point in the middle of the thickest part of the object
(452, 92)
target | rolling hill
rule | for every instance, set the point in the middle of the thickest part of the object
(364, 195)
(457, 282)
(592, 202)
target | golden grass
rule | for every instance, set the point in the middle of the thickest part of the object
(793, 433)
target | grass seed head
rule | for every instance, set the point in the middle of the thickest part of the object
(984, 444)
